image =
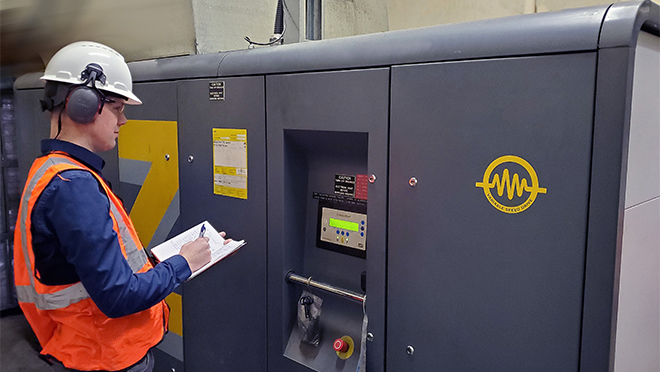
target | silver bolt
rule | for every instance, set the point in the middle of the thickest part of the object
(410, 350)
(372, 178)
(412, 182)
(370, 336)
(167, 157)
(190, 159)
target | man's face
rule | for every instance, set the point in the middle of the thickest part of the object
(105, 128)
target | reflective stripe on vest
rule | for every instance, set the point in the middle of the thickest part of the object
(136, 258)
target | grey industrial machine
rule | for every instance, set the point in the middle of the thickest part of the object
(485, 196)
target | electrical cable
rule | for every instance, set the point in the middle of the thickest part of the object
(274, 41)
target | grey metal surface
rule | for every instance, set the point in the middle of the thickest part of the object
(570, 30)
(470, 287)
(606, 205)
(166, 362)
(159, 101)
(623, 22)
(339, 318)
(224, 309)
(316, 129)
(175, 68)
(555, 32)
(29, 81)
(31, 127)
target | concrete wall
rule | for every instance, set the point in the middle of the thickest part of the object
(403, 14)
(354, 17)
(33, 30)
(222, 25)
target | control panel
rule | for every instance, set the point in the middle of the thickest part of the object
(344, 228)
(342, 224)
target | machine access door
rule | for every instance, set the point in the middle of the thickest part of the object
(327, 188)
(148, 175)
(489, 172)
(223, 176)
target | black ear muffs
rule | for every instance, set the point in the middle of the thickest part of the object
(84, 100)
(83, 104)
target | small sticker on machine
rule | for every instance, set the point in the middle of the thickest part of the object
(344, 185)
(216, 91)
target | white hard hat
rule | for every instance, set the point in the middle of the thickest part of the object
(69, 62)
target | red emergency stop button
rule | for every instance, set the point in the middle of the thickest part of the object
(340, 345)
(344, 347)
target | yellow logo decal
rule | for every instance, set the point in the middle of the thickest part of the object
(515, 185)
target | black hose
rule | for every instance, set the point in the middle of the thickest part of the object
(279, 18)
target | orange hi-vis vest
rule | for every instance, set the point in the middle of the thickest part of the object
(68, 324)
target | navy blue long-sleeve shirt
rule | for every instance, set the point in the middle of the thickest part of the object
(73, 240)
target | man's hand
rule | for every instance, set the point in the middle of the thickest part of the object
(223, 234)
(197, 253)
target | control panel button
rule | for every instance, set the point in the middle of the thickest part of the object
(340, 345)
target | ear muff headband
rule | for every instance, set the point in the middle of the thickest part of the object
(84, 100)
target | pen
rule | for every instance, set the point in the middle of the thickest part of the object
(201, 232)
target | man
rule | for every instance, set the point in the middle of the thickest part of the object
(83, 279)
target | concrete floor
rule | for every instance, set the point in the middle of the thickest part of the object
(18, 345)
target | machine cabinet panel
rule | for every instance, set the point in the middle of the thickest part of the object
(489, 176)
(159, 106)
(322, 127)
(32, 126)
(224, 308)
(149, 188)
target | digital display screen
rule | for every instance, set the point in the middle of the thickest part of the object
(346, 225)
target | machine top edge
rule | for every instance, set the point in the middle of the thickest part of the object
(565, 31)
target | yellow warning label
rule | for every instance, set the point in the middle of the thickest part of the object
(230, 162)
(514, 186)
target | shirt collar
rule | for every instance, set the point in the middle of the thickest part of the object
(77, 152)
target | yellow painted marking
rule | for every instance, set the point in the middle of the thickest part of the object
(512, 186)
(176, 321)
(151, 141)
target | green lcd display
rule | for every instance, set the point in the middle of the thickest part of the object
(346, 225)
